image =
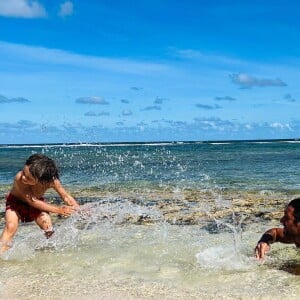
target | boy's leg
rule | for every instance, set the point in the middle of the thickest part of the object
(10, 229)
(45, 223)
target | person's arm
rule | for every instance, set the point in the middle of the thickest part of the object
(46, 207)
(22, 192)
(64, 195)
(269, 237)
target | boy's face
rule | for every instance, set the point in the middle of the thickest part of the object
(27, 178)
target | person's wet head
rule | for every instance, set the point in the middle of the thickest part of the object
(291, 218)
(41, 168)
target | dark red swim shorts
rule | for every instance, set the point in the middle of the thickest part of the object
(26, 212)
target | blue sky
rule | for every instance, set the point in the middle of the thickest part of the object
(117, 71)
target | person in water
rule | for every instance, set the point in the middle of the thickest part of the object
(26, 203)
(289, 234)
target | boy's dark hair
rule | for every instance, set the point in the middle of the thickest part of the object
(295, 203)
(42, 168)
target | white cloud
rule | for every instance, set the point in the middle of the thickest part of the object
(225, 98)
(154, 107)
(66, 9)
(187, 53)
(22, 9)
(95, 114)
(19, 52)
(278, 125)
(10, 100)
(196, 55)
(26, 131)
(159, 100)
(208, 107)
(135, 88)
(126, 112)
(91, 100)
(289, 98)
(247, 81)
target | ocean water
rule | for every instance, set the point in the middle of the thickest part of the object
(158, 221)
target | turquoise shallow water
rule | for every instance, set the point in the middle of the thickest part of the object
(228, 165)
(133, 238)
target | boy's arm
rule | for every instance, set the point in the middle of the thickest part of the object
(46, 207)
(64, 195)
(25, 194)
(269, 237)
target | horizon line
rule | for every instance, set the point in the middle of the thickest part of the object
(151, 142)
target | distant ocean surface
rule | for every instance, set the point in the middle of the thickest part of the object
(241, 165)
(171, 220)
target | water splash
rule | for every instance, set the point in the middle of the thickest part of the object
(235, 227)
(73, 231)
(228, 254)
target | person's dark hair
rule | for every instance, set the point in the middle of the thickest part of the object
(42, 168)
(295, 203)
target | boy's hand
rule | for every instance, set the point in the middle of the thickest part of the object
(66, 210)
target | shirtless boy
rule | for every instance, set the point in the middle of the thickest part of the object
(25, 201)
(289, 234)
